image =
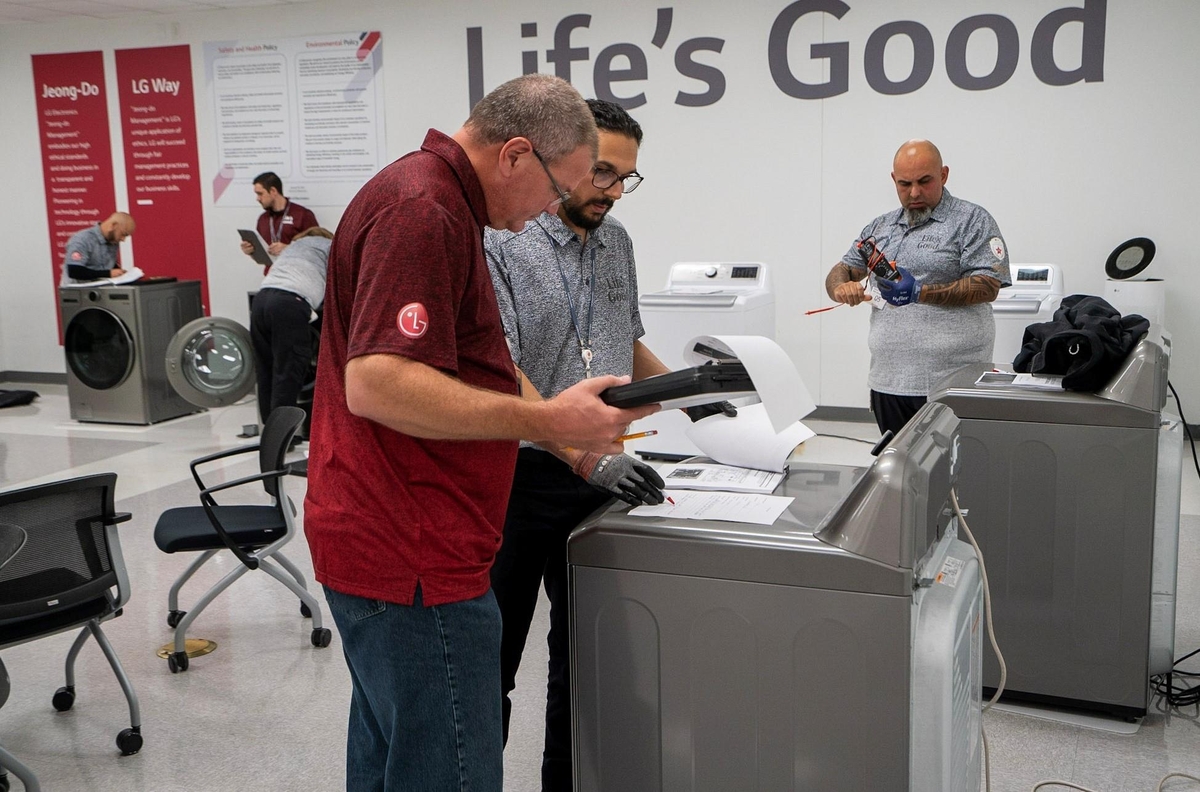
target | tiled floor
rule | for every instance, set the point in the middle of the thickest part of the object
(266, 710)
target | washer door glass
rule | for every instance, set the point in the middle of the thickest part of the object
(99, 348)
(210, 362)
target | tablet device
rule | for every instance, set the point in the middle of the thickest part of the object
(260, 253)
(705, 384)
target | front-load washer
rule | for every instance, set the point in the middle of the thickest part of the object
(115, 340)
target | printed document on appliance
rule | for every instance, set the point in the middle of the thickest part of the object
(725, 506)
(700, 473)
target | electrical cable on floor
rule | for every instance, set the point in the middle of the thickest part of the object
(987, 612)
(1169, 776)
(1067, 784)
(1165, 685)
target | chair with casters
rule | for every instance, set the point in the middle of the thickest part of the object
(61, 568)
(255, 534)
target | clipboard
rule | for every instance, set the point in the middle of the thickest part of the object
(705, 384)
(259, 254)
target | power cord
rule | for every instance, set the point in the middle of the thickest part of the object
(987, 611)
(1068, 784)
(1186, 429)
(1177, 695)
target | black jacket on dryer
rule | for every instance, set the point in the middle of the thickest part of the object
(1086, 342)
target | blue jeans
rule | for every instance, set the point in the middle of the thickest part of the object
(425, 711)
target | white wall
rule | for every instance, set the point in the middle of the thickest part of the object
(1069, 172)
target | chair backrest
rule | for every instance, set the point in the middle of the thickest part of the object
(66, 559)
(277, 433)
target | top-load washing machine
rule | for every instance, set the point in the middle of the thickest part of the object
(115, 340)
(1036, 291)
(701, 298)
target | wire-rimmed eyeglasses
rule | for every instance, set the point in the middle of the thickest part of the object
(563, 195)
(603, 178)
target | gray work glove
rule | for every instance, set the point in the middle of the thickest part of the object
(622, 476)
(702, 411)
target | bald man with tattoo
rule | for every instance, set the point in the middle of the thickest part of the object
(935, 317)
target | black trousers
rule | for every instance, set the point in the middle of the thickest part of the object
(892, 412)
(548, 500)
(283, 347)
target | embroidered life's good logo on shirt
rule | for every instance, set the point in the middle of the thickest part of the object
(997, 246)
(75, 256)
(413, 320)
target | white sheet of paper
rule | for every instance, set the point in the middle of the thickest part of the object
(698, 475)
(726, 506)
(749, 440)
(775, 377)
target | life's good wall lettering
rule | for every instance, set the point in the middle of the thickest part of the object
(620, 71)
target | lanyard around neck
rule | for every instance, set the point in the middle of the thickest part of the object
(584, 338)
(277, 233)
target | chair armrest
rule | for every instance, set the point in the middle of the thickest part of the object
(207, 501)
(119, 517)
(215, 456)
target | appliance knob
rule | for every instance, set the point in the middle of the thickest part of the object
(711, 272)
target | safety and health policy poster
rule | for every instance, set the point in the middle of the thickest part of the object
(162, 172)
(72, 111)
(309, 109)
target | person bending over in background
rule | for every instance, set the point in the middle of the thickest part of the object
(951, 261)
(281, 319)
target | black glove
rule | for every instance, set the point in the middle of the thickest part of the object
(624, 477)
(701, 411)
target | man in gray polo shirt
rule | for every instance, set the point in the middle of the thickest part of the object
(567, 290)
(93, 253)
(951, 261)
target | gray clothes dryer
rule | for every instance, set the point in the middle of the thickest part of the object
(1074, 499)
(115, 340)
(836, 650)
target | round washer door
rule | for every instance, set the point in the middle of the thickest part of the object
(210, 362)
(99, 348)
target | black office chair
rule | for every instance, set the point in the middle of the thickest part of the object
(255, 534)
(69, 572)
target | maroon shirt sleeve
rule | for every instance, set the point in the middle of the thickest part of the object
(413, 253)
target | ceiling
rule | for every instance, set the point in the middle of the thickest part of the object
(14, 12)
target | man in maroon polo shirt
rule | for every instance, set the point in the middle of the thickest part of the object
(415, 427)
(282, 218)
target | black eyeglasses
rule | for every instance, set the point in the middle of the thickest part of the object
(563, 195)
(603, 178)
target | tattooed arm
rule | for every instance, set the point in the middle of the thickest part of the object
(842, 283)
(971, 290)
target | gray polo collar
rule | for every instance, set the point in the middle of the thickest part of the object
(562, 234)
(940, 213)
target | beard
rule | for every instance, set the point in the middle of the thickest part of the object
(914, 217)
(576, 214)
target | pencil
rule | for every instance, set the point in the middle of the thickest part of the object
(636, 436)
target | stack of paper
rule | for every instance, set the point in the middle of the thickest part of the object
(702, 474)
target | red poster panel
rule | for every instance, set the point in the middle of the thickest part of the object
(77, 168)
(162, 171)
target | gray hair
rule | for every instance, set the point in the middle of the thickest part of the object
(545, 109)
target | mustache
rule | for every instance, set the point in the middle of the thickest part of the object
(607, 202)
